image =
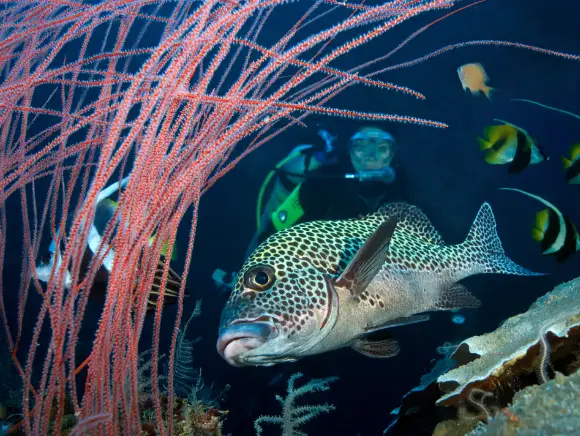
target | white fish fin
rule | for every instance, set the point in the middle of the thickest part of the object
(456, 296)
(377, 349)
(536, 197)
(368, 260)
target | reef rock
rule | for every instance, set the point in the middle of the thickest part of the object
(514, 350)
(488, 370)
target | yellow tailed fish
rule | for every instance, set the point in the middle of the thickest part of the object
(510, 144)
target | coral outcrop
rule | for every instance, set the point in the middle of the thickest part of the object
(501, 377)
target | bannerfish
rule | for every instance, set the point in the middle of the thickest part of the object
(554, 231)
(324, 285)
(510, 144)
(104, 212)
(572, 165)
(473, 77)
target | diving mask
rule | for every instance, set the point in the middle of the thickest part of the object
(372, 149)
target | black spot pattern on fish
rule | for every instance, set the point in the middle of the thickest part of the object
(306, 252)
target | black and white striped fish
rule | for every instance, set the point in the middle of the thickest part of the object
(554, 231)
(104, 213)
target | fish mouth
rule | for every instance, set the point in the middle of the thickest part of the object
(242, 336)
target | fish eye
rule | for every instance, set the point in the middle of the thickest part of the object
(260, 278)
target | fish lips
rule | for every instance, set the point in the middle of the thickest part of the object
(240, 337)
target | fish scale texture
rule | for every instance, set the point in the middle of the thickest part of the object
(417, 258)
(416, 245)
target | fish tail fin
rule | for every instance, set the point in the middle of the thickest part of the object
(567, 162)
(488, 91)
(483, 242)
(484, 145)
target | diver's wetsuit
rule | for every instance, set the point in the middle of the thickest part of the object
(326, 194)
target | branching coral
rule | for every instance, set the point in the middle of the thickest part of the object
(294, 416)
(10, 384)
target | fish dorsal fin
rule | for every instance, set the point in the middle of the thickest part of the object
(368, 261)
(378, 349)
(575, 151)
(512, 125)
(413, 221)
(456, 296)
(536, 197)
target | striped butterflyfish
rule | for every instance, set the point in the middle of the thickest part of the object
(572, 165)
(509, 144)
(554, 231)
(104, 212)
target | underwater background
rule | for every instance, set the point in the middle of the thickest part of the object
(445, 176)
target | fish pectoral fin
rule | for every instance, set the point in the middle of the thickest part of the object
(404, 320)
(378, 349)
(368, 261)
(456, 296)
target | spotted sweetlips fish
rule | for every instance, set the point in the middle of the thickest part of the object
(323, 285)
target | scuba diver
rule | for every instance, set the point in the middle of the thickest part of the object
(322, 181)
